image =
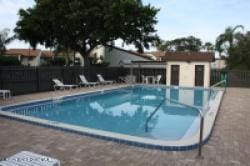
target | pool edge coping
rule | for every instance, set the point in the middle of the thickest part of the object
(178, 145)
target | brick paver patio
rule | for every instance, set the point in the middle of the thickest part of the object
(228, 146)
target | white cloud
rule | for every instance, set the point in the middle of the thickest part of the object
(11, 7)
(9, 16)
(178, 18)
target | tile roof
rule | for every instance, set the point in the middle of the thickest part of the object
(23, 52)
(29, 52)
(189, 56)
(48, 54)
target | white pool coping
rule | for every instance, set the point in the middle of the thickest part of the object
(209, 121)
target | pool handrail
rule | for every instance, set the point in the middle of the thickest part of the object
(218, 83)
(201, 113)
(152, 114)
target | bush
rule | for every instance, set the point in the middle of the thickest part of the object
(9, 61)
(59, 61)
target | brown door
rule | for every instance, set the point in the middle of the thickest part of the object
(199, 75)
(175, 72)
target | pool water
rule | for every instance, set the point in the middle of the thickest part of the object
(130, 110)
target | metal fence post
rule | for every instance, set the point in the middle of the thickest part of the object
(37, 79)
(201, 138)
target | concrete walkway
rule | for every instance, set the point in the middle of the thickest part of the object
(228, 146)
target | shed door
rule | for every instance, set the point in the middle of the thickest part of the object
(175, 72)
(199, 75)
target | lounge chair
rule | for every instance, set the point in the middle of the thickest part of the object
(5, 94)
(102, 81)
(60, 85)
(85, 82)
(144, 79)
(29, 158)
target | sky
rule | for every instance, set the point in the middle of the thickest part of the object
(204, 19)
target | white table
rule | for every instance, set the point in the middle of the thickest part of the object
(25, 158)
(5, 94)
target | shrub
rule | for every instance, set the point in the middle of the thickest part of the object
(59, 61)
(9, 61)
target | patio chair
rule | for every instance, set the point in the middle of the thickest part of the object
(103, 81)
(158, 79)
(60, 85)
(29, 158)
(5, 93)
(85, 82)
(144, 79)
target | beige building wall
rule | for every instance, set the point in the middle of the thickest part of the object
(187, 73)
(31, 61)
(98, 52)
(114, 56)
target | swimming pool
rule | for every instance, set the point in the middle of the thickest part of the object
(156, 116)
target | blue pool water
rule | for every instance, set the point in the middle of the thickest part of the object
(130, 110)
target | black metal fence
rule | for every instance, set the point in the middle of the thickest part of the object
(235, 78)
(24, 80)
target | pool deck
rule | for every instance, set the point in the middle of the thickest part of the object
(229, 144)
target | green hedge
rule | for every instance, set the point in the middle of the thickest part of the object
(9, 61)
(57, 61)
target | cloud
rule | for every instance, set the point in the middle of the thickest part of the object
(11, 7)
(205, 19)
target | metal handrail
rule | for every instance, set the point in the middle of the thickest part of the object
(187, 105)
(218, 83)
(201, 113)
(152, 114)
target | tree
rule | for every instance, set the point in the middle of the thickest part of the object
(239, 53)
(81, 25)
(186, 44)
(225, 41)
(209, 47)
(4, 40)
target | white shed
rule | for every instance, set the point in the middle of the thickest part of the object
(188, 69)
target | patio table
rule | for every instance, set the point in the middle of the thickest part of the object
(152, 78)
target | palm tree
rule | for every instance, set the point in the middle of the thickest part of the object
(4, 40)
(228, 37)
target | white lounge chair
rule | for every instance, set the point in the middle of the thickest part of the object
(102, 81)
(26, 158)
(5, 93)
(85, 82)
(60, 85)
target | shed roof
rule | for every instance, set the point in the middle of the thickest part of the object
(189, 56)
